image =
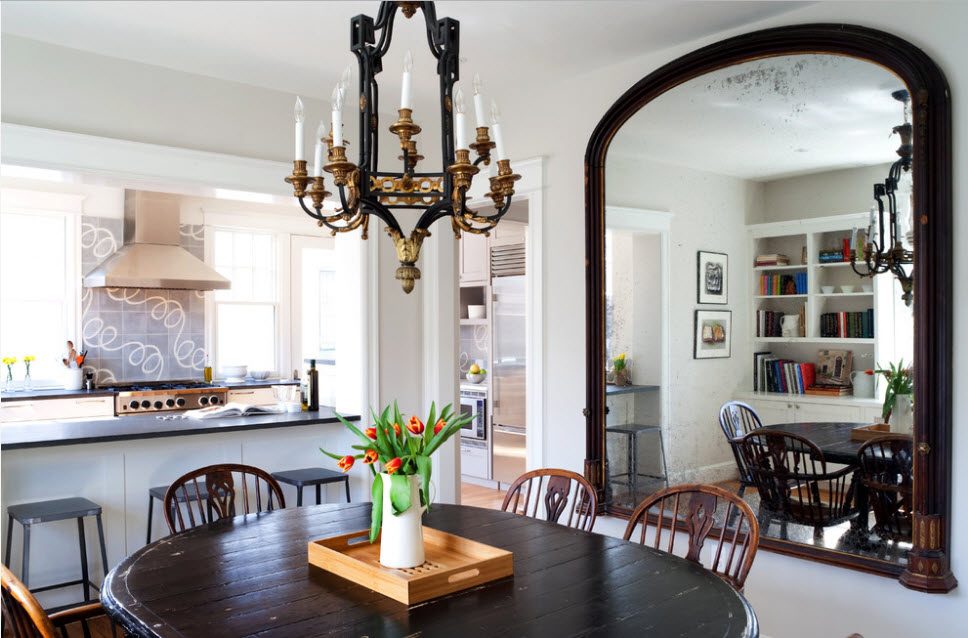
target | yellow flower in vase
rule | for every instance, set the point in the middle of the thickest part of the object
(9, 361)
(27, 359)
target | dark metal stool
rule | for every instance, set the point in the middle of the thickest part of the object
(632, 431)
(312, 476)
(188, 494)
(28, 514)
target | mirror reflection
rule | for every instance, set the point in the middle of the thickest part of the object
(743, 349)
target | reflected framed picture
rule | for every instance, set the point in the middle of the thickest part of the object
(713, 276)
(714, 331)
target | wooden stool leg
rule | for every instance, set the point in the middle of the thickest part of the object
(319, 494)
(346, 482)
(84, 575)
(151, 509)
(299, 496)
(25, 565)
(100, 538)
(6, 555)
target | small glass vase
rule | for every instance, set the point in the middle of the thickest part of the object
(28, 383)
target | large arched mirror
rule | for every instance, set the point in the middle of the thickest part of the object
(763, 234)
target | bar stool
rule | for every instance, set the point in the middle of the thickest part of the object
(312, 476)
(188, 494)
(632, 431)
(29, 514)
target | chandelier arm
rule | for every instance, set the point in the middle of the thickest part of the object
(430, 21)
(381, 212)
(384, 24)
(308, 211)
(430, 216)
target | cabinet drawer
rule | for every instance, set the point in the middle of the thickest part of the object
(252, 396)
(69, 408)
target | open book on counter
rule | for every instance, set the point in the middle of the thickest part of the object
(232, 409)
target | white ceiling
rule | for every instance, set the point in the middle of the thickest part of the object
(771, 118)
(301, 47)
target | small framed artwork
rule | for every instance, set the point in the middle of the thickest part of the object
(713, 276)
(714, 334)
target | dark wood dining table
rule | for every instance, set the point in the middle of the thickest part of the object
(249, 576)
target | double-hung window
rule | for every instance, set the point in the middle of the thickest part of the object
(247, 314)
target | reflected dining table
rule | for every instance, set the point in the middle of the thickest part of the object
(249, 576)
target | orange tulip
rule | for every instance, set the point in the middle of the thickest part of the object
(415, 426)
(393, 465)
(396, 429)
(370, 433)
(439, 426)
(370, 457)
(346, 463)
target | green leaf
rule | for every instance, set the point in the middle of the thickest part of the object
(352, 428)
(331, 455)
(376, 515)
(424, 470)
(399, 493)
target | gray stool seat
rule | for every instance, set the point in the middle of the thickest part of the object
(183, 496)
(39, 512)
(316, 476)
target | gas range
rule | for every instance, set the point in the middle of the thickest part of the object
(165, 396)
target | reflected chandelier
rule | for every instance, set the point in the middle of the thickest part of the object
(364, 190)
(890, 253)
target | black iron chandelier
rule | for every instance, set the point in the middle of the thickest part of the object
(885, 248)
(364, 189)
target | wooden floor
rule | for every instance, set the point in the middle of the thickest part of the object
(478, 496)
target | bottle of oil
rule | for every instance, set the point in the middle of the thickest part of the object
(313, 375)
(208, 370)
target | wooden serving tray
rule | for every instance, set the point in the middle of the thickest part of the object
(868, 432)
(452, 564)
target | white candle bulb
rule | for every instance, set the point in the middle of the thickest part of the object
(299, 129)
(344, 79)
(406, 92)
(337, 116)
(479, 102)
(460, 137)
(853, 239)
(496, 131)
(318, 151)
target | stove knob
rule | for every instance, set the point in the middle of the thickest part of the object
(214, 400)
(180, 402)
(170, 403)
(146, 404)
(203, 400)
(158, 405)
(134, 405)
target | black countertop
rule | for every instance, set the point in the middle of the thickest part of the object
(630, 389)
(61, 393)
(31, 434)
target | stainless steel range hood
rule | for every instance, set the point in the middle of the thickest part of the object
(151, 256)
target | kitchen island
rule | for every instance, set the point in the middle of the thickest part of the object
(114, 462)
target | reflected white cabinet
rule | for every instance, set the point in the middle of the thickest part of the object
(778, 408)
(67, 408)
(474, 266)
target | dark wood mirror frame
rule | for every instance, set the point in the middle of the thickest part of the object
(928, 567)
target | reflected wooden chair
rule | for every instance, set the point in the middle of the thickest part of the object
(736, 419)
(228, 489)
(547, 494)
(23, 617)
(792, 479)
(696, 511)
(887, 471)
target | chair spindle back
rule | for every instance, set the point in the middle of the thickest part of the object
(548, 494)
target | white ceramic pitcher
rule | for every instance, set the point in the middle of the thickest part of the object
(401, 538)
(863, 384)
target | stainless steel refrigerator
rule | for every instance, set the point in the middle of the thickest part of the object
(508, 368)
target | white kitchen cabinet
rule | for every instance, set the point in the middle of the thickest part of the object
(67, 408)
(251, 396)
(474, 266)
(771, 412)
(508, 232)
(780, 408)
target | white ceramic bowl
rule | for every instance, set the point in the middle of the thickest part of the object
(476, 378)
(867, 288)
(259, 375)
(827, 290)
(848, 288)
(475, 312)
(234, 372)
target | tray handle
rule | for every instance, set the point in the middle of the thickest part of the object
(464, 575)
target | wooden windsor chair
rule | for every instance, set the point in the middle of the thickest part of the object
(558, 491)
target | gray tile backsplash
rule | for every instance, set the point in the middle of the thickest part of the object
(136, 334)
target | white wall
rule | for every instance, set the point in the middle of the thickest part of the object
(709, 213)
(819, 194)
(792, 597)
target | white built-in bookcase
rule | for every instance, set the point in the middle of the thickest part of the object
(816, 234)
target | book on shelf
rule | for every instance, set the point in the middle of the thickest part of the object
(795, 284)
(769, 323)
(785, 376)
(847, 325)
(826, 390)
(232, 409)
(775, 259)
(832, 256)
